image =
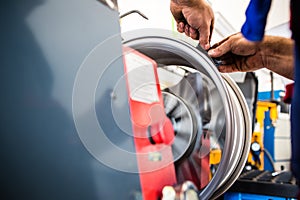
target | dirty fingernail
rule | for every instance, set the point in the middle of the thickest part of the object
(206, 46)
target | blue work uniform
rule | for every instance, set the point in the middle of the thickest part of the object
(295, 111)
(256, 19)
(253, 30)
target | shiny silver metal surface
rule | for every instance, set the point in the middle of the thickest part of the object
(243, 137)
(184, 124)
(226, 110)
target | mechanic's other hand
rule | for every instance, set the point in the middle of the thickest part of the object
(237, 54)
(195, 18)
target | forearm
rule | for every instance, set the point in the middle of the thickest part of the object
(277, 55)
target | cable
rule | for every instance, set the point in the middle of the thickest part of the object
(269, 157)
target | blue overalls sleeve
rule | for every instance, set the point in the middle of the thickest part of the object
(256, 19)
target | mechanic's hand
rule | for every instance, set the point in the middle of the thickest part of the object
(195, 18)
(237, 54)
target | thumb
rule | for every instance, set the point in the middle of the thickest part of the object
(220, 50)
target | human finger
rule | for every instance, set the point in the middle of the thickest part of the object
(227, 68)
(193, 33)
(204, 37)
(180, 27)
(187, 30)
(220, 49)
